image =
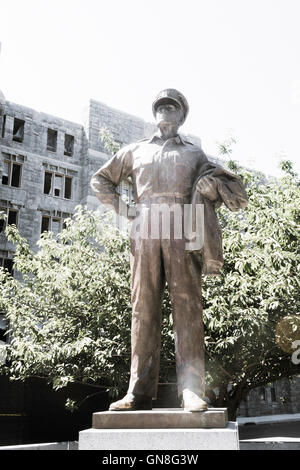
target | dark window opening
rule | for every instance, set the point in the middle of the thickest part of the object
(3, 126)
(47, 182)
(68, 187)
(58, 181)
(69, 145)
(12, 217)
(45, 224)
(273, 394)
(3, 329)
(18, 130)
(7, 264)
(2, 335)
(16, 175)
(51, 140)
(5, 173)
(58, 185)
(53, 224)
(263, 393)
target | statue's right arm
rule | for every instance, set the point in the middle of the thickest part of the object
(105, 181)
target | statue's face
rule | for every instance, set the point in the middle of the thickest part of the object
(169, 113)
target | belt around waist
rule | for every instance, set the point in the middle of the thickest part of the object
(165, 200)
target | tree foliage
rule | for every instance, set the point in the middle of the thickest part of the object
(257, 289)
(69, 315)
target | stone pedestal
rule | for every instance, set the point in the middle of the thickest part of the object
(160, 418)
(160, 429)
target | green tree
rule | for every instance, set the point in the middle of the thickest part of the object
(257, 289)
(70, 316)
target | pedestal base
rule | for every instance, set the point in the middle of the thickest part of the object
(160, 439)
(160, 418)
(160, 429)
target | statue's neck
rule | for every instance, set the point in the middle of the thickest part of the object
(167, 131)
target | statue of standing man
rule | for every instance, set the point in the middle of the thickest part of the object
(168, 171)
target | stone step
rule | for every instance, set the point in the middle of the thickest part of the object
(160, 439)
(160, 418)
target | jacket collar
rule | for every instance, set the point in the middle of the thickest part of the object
(178, 139)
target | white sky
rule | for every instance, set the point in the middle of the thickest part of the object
(236, 61)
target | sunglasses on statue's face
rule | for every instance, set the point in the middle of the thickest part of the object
(169, 107)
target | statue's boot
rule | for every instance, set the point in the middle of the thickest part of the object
(192, 402)
(132, 402)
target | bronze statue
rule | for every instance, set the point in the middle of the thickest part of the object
(168, 170)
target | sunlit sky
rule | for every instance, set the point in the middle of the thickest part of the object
(236, 61)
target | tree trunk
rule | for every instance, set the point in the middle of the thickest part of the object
(231, 402)
(232, 406)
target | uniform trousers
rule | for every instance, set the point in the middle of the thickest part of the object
(155, 261)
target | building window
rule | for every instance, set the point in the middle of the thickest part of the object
(18, 130)
(51, 224)
(12, 218)
(55, 223)
(7, 263)
(3, 126)
(58, 185)
(47, 182)
(69, 145)
(11, 175)
(51, 140)
(68, 187)
(45, 224)
(273, 394)
(262, 393)
(3, 328)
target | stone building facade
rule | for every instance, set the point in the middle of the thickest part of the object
(46, 164)
(41, 171)
(282, 396)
